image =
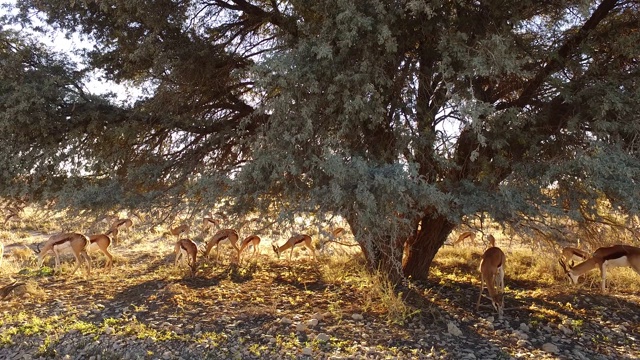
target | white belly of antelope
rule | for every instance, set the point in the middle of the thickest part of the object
(64, 248)
(619, 262)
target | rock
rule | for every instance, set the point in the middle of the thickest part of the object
(357, 317)
(565, 329)
(307, 351)
(520, 335)
(524, 327)
(579, 354)
(550, 348)
(285, 320)
(453, 329)
(300, 327)
(323, 337)
(312, 322)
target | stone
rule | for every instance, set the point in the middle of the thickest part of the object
(453, 329)
(550, 348)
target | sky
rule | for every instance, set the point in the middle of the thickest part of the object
(96, 84)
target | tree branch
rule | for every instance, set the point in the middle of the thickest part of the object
(557, 60)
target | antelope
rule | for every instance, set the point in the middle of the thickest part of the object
(226, 236)
(177, 231)
(492, 240)
(492, 274)
(117, 225)
(569, 254)
(186, 250)
(614, 256)
(101, 243)
(466, 235)
(294, 241)
(208, 223)
(66, 243)
(252, 240)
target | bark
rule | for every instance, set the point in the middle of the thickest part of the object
(421, 248)
(384, 257)
(383, 254)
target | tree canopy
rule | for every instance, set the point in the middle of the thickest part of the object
(402, 117)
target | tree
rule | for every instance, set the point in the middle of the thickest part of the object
(402, 117)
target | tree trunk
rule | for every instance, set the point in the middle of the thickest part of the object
(384, 257)
(383, 254)
(423, 246)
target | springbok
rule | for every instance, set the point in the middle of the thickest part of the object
(613, 256)
(492, 274)
(293, 242)
(73, 243)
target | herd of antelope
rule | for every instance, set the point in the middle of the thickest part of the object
(185, 250)
(493, 259)
(492, 263)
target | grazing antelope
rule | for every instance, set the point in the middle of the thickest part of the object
(177, 231)
(492, 274)
(66, 243)
(464, 236)
(187, 250)
(569, 254)
(252, 240)
(294, 241)
(101, 243)
(208, 223)
(226, 236)
(124, 224)
(614, 256)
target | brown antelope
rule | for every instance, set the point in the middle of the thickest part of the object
(492, 274)
(252, 240)
(492, 240)
(117, 225)
(187, 250)
(179, 230)
(295, 241)
(613, 256)
(571, 254)
(66, 243)
(226, 236)
(208, 223)
(101, 242)
(464, 236)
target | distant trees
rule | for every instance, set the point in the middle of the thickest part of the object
(402, 117)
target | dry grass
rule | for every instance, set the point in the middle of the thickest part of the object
(528, 269)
